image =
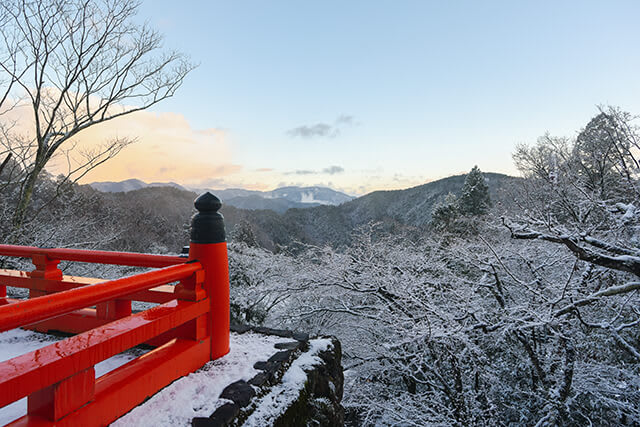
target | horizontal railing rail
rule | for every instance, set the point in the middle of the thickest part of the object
(45, 307)
(75, 354)
(189, 327)
(91, 256)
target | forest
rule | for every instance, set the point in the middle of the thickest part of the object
(474, 300)
(478, 299)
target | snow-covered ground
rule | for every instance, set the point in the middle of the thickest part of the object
(195, 395)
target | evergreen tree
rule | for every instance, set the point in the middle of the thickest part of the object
(475, 198)
(445, 212)
(243, 233)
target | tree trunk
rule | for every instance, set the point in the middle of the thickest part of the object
(4, 163)
(24, 199)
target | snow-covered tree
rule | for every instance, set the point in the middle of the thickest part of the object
(603, 154)
(478, 330)
(445, 212)
(485, 329)
(580, 197)
(474, 199)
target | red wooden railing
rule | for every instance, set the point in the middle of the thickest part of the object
(187, 329)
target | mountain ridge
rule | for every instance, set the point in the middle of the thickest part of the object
(409, 208)
(279, 200)
(394, 210)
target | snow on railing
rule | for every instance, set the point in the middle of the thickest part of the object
(188, 328)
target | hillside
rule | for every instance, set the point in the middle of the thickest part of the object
(414, 205)
(160, 215)
(255, 202)
(129, 185)
(278, 200)
(334, 224)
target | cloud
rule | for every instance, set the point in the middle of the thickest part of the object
(311, 131)
(322, 130)
(332, 170)
(345, 120)
(301, 172)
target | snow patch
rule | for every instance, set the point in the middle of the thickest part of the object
(196, 395)
(310, 198)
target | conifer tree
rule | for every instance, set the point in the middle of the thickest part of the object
(445, 212)
(475, 198)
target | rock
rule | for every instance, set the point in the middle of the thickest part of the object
(267, 366)
(201, 422)
(291, 345)
(281, 356)
(319, 401)
(277, 332)
(240, 329)
(225, 414)
(260, 379)
(239, 392)
(300, 336)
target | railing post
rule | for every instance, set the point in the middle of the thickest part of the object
(209, 247)
(60, 399)
(46, 269)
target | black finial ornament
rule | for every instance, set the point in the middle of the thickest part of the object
(207, 226)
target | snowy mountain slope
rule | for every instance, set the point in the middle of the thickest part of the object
(273, 223)
(278, 200)
(317, 195)
(129, 185)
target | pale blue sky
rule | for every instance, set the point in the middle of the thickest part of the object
(432, 87)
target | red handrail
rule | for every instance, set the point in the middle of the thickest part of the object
(64, 358)
(48, 306)
(190, 328)
(99, 257)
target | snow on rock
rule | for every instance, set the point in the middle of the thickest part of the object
(281, 396)
(196, 395)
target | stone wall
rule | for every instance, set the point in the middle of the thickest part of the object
(300, 384)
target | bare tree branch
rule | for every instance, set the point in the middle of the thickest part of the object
(76, 64)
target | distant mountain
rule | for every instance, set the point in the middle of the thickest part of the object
(255, 202)
(162, 213)
(396, 209)
(130, 185)
(414, 205)
(282, 199)
(278, 200)
(313, 195)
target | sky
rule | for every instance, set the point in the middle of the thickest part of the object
(371, 95)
